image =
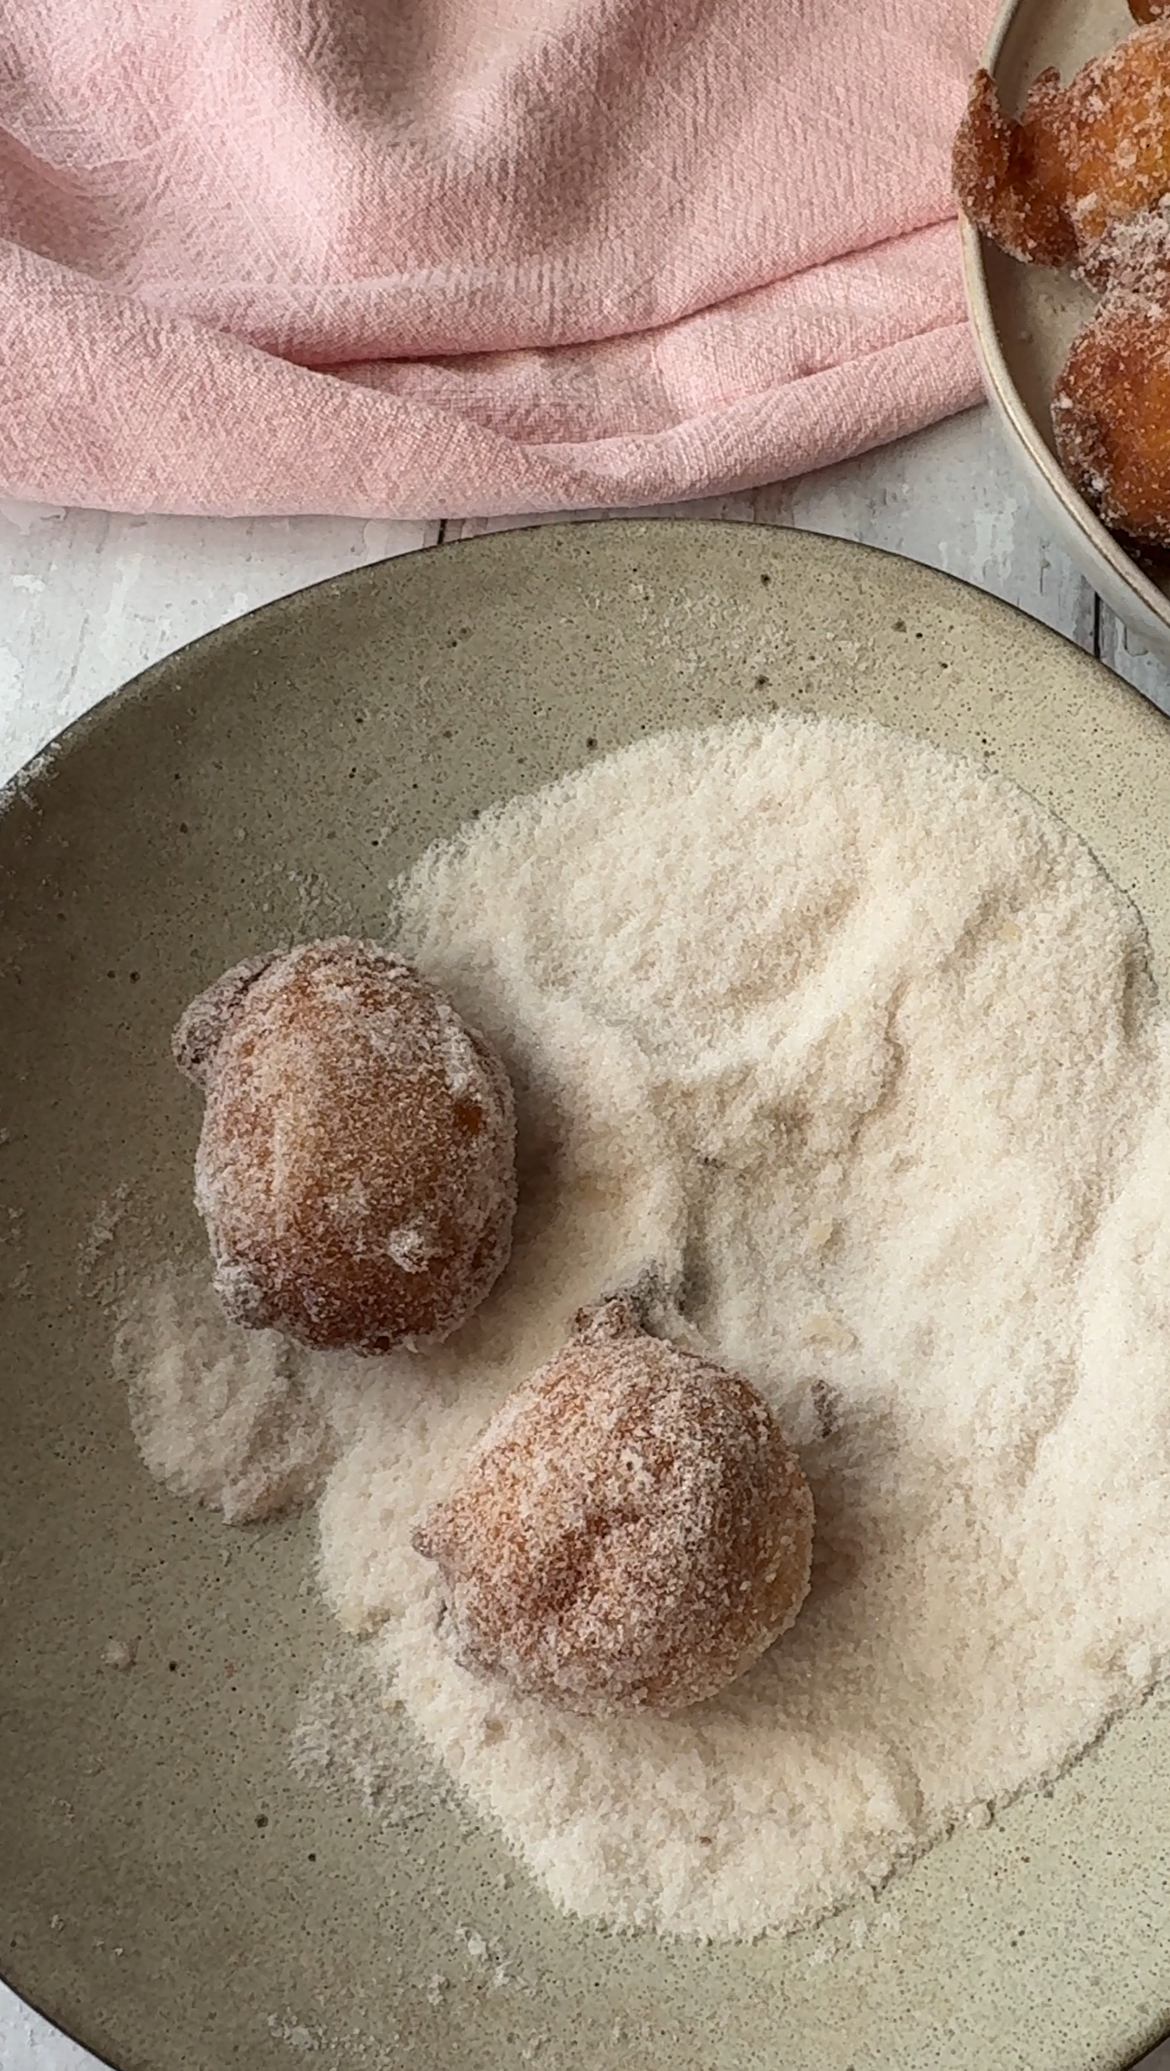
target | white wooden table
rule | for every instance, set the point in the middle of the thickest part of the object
(87, 600)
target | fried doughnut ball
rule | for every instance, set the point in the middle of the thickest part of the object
(1081, 159)
(356, 1168)
(1111, 417)
(631, 1531)
(1009, 176)
(1082, 177)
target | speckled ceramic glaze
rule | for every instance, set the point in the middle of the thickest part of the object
(169, 1892)
(1024, 318)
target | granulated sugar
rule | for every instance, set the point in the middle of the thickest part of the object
(221, 1415)
(854, 1052)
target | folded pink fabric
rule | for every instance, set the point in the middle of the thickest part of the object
(424, 257)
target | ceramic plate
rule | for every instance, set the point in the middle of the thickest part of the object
(169, 1892)
(1024, 319)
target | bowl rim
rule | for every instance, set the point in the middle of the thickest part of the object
(1002, 390)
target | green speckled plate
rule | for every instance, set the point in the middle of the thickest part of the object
(169, 1892)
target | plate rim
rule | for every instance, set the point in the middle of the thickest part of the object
(39, 765)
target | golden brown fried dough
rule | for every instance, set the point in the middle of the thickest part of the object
(1080, 158)
(356, 1167)
(1083, 176)
(1149, 10)
(1111, 416)
(631, 1532)
(1009, 175)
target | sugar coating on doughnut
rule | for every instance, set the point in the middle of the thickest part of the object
(356, 1167)
(1083, 176)
(1048, 186)
(630, 1533)
(1111, 403)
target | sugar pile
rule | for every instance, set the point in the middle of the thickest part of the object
(855, 1052)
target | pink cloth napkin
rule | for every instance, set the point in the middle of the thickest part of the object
(421, 257)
